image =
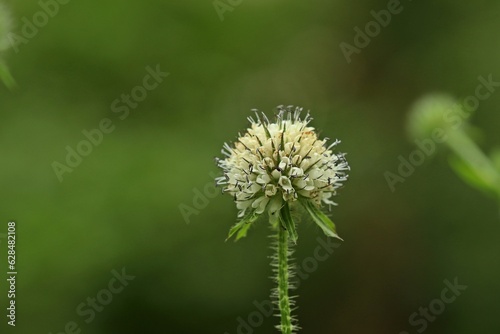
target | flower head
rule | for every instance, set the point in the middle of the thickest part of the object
(274, 164)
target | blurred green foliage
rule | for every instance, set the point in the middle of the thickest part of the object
(5, 23)
(440, 114)
(120, 206)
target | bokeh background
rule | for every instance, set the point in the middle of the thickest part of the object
(121, 206)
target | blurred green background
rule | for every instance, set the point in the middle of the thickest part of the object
(121, 206)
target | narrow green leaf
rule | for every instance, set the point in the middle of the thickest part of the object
(241, 227)
(288, 223)
(321, 219)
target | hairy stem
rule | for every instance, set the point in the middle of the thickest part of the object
(283, 283)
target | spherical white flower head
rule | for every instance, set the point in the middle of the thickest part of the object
(281, 162)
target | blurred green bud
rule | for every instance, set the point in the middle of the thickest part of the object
(435, 111)
(442, 114)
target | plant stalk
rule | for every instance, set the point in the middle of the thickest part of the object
(283, 281)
